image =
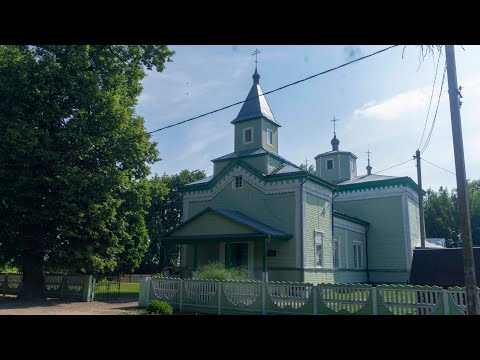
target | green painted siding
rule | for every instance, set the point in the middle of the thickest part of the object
(319, 276)
(268, 125)
(342, 167)
(414, 220)
(259, 162)
(388, 277)
(219, 165)
(272, 163)
(211, 224)
(276, 210)
(345, 277)
(386, 235)
(318, 217)
(256, 124)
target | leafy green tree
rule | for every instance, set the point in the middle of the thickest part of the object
(441, 216)
(164, 214)
(311, 168)
(73, 157)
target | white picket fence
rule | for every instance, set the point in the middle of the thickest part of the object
(241, 297)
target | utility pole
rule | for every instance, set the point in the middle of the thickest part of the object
(420, 199)
(462, 189)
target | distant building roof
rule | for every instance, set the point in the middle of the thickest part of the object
(367, 178)
(432, 243)
(205, 180)
(255, 105)
(441, 267)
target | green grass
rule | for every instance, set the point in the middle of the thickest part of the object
(129, 288)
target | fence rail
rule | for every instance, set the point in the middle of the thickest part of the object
(240, 297)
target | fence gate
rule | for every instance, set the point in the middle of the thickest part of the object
(107, 288)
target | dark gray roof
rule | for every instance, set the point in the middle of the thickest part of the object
(243, 153)
(441, 267)
(255, 105)
(335, 152)
(367, 178)
(205, 180)
(248, 221)
(285, 168)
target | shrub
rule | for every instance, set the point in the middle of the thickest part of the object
(157, 307)
(217, 271)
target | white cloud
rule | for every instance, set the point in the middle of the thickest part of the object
(202, 135)
(396, 106)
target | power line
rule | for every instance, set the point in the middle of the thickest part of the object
(436, 110)
(431, 97)
(394, 166)
(439, 167)
(272, 91)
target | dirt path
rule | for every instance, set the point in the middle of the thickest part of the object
(12, 306)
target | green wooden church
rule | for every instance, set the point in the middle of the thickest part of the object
(260, 211)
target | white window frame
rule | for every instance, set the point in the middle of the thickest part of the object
(336, 241)
(234, 182)
(315, 251)
(358, 255)
(269, 132)
(244, 135)
(333, 165)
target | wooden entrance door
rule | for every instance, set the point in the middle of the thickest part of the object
(239, 255)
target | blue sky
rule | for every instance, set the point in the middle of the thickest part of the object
(382, 102)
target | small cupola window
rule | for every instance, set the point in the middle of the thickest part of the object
(248, 136)
(330, 164)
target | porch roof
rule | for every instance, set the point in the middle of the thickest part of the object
(253, 229)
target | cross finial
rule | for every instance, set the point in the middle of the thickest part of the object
(306, 164)
(334, 121)
(369, 168)
(256, 52)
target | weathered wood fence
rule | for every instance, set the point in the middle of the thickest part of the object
(252, 297)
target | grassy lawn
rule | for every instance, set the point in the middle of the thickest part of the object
(129, 288)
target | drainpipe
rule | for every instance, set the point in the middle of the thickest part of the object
(302, 277)
(366, 253)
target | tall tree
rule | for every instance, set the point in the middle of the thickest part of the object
(164, 214)
(73, 157)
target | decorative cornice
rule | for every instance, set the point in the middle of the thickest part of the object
(375, 193)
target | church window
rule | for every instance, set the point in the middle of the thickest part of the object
(330, 164)
(318, 250)
(248, 135)
(270, 136)
(357, 256)
(336, 259)
(238, 182)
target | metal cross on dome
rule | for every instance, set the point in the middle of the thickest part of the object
(334, 121)
(256, 52)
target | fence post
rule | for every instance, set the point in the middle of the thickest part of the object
(5, 282)
(374, 300)
(315, 294)
(264, 291)
(87, 290)
(144, 292)
(180, 302)
(219, 291)
(446, 309)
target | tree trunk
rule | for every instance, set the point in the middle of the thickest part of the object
(32, 278)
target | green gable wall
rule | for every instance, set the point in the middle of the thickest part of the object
(269, 125)
(386, 234)
(256, 124)
(276, 210)
(219, 165)
(212, 224)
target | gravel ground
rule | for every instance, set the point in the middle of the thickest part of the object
(13, 306)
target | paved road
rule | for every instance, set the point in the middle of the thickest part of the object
(12, 306)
